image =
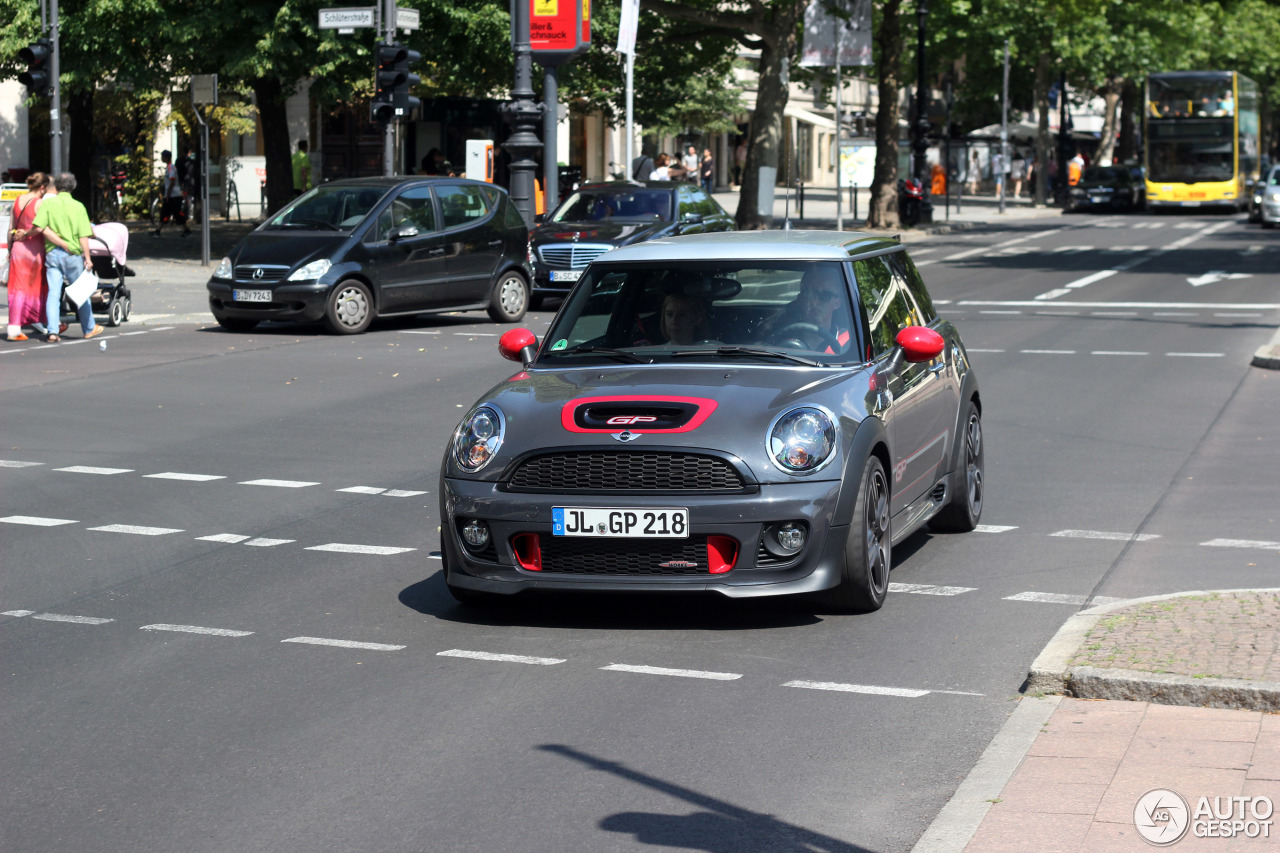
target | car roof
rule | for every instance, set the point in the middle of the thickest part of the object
(756, 245)
(634, 185)
(399, 180)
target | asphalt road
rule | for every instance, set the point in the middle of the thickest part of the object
(224, 627)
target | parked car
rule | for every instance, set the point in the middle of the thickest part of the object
(1110, 188)
(1269, 198)
(601, 216)
(348, 251)
(753, 414)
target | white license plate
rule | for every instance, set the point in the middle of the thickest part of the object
(251, 295)
(652, 523)
(566, 275)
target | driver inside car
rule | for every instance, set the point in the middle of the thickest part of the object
(683, 317)
(819, 318)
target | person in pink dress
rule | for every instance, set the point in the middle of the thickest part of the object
(27, 288)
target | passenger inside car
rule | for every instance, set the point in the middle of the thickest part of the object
(683, 319)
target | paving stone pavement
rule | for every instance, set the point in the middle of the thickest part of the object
(1193, 763)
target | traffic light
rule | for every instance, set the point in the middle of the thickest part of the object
(392, 81)
(36, 78)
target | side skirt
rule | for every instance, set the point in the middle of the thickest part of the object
(918, 514)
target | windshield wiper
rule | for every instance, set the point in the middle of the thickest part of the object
(319, 222)
(749, 351)
(624, 355)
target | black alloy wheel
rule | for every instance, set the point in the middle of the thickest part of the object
(868, 556)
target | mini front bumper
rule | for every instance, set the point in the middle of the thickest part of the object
(742, 517)
(303, 301)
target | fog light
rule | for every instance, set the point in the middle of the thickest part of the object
(476, 533)
(785, 539)
(791, 537)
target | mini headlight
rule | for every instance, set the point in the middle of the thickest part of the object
(802, 440)
(224, 269)
(311, 271)
(478, 438)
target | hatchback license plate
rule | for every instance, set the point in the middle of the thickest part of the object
(633, 522)
(566, 275)
(251, 295)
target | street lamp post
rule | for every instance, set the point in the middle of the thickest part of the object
(523, 113)
(920, 145)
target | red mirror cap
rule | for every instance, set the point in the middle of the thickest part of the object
(920, 344)
(516, 341)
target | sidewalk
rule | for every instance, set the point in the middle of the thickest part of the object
(1192, 689)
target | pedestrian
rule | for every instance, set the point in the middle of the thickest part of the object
(739, 161)
(975, 172)
(661, 169)
(641, 167)
(65, 226)
(690, 160)
(707, 171)
(997, 172)
(26, 261)
(1019, 173)
(301, 169)
(171, 192)
(1075, 169)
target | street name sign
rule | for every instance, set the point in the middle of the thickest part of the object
(407, 19)
(347, 19)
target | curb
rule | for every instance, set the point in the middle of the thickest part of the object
(1268, 355)
(1052, 673)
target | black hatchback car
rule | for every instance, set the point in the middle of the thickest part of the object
(603, 216)
(1109, 188)
(352, 250)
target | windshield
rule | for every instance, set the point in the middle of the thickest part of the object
(1187, 97)
(1109, 174)
(327, 208)
(619, 203)
(783, 311)
(1190, 161)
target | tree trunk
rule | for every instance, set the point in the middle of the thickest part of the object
(1043, 140)
(764, 140)
(1111, 98)
(271, 95)
(79, 106)
(884, 185)
(1127, 152)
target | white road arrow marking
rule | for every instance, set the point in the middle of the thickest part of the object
(1215, 276)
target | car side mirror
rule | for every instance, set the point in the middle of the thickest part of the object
(539, 218)
(518, 345)
(920, 344)
(403, 231)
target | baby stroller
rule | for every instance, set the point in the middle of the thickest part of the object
(108, 248)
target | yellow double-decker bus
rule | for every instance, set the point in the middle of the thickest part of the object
(1201, 139)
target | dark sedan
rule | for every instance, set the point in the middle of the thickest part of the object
(1109, 188)
(752, 414)
(600, 217)
(352, 250)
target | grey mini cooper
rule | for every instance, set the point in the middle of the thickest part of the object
(750, 413)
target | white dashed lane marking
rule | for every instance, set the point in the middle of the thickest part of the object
(1105, 534)
(903, 692)
(1242, 543)
(268, 543)
(37, 521)
(14, 463)
(928, 589)
(86, 469)
(194, 478)
(994, 528)
(362, 490)
(62, 617)
(279, 484)
(678, 673)
(343, 548)
(136, 529)
(196, 629)
(344, 644)
(1060, 598)
(230, 538)
(1194, 354)
(500, 658)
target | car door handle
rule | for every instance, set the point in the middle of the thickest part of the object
(435, 253)
(493, 244)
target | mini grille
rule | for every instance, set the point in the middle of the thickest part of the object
(570, 255)
(623, 556)
(765, 560)
(245, 273)
(623, 471)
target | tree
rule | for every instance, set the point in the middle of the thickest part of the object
(772, 27)
(884, 185)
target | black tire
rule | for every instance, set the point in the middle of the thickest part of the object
(349, 309)
(128, 307)
(236, 324)
(868, 552)
(968, 484)
(509, 299)
(115, 312)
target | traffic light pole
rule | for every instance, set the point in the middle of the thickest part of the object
(55, 105)
(388, 129)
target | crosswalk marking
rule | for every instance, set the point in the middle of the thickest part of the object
(342, 548)
(928, 589)
(196, 629)
(36, 521)
(193, 478)
(1242, 543)
(1105, 535)
(87, 469)
(280, 484)
(345, 644)
(500, 658)
(136, 529)
(14, 463)
(903, 692)
(678, 673)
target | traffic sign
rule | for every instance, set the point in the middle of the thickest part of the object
(347, 18)
(406, 19)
